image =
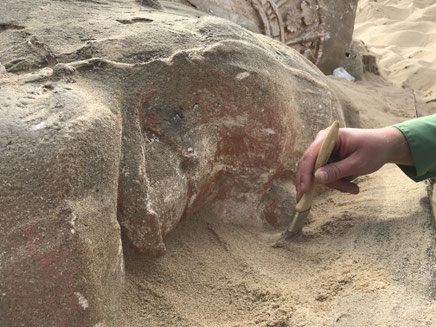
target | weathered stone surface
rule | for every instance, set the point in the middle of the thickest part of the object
(222, 146)
(321, 30)
(140, 116)
(360, 60)
(61, 256)
(337, 19)
(432, 197)
(151, 3)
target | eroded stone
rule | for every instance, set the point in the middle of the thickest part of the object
(321, 30)
(124, 129)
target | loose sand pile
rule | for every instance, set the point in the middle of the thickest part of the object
(365, 260)
(403, 35)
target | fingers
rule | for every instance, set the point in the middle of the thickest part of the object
(343, 185)
(300, 193)
(336, 171)
(306, 165)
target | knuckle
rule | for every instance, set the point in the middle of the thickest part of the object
(335, 172)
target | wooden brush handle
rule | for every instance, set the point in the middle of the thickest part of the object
(323, 156)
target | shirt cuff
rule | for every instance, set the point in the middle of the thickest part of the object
(421, 138)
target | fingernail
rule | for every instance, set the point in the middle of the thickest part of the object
(322, 176)
(302, 186)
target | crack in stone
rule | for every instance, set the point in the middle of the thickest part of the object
(134, 20)
(10, 26)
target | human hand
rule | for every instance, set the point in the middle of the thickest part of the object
(357, 152)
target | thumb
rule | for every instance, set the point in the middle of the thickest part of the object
(335, 171)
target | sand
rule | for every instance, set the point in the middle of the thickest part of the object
(402, 33)
(364, 260)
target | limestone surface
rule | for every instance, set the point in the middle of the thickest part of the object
(321, 30)
(118, 115)
(61, 257)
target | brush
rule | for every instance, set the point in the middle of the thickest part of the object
(305, 203)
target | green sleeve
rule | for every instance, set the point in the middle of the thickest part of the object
(420, 134)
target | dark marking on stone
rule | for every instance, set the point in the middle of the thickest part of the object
(178, 116)
(48, 86)
(151, 3)
(10, 26)
(192, 5)
(134, 20)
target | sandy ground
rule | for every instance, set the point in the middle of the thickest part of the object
(403, 35)
(364, 260)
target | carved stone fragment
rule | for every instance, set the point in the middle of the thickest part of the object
(321, 30)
